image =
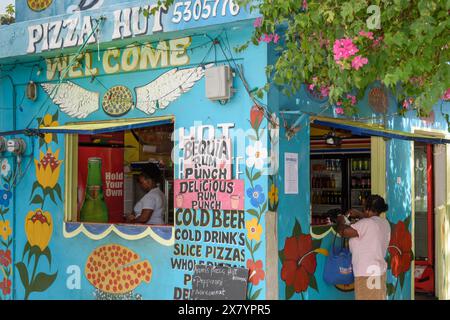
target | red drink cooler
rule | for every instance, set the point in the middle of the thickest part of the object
(112, 178)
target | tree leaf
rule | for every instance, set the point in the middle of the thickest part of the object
(23, 273)
(43, 281)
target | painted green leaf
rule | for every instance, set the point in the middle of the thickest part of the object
(35, 186)
(313, 282)
(264, 207)
(55, 116)
(317, 243)
(289, 292)
(255, 295)
(401, 278)
(408, 222)
(57, 189)
(257, 176)
(43, 281)
(37, 199)
(23, 273)
(26, 249)
(281, 255)
(247, 244)
(297, 229)
(247, 172)
(256, 247)
(50, 192)
(253, 212)
(34, 251)
(251, 137)
(48, 255)
(390, 289)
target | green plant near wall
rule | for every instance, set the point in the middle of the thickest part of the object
(339, 48)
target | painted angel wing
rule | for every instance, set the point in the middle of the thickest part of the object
(167, 88)
(72, 99)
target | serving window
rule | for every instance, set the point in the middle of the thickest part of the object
(103, 166)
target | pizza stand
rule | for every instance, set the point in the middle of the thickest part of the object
(102, 76)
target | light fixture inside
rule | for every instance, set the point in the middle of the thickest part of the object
(333, 140)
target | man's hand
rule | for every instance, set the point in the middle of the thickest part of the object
(130, 218)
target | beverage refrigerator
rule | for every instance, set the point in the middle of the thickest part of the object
(338, 183)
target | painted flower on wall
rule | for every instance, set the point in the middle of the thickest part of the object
(256, 195)
(5, 258)
(48, 168)
(39, 228)
(5, 286)
(50, 121)
(256, 155)
(5, 168)
(400, 254)
(254, 229)
(400, 249)
(273, 195)
(255, 271)
(5, 229)
(299, 263)
(5, 196)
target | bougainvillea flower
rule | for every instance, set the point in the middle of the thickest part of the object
(48, 168)
(5, 229)
(5, 258)
(325, 91)
(368, 35)
(256, 195)
(358, 62)
(5, 286)
(400, 249)
(344, 48)
(299, 262)
(258, 22)
(254, 229)
(255, 271)
(352, 99)
(339, 110)
(276, 37)
(446, 96)
(39, 228)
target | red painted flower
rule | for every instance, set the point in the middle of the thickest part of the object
(255, 271)
(400, 249)
(299, 263)
(5, 286)
(256, 116)
(5, 258)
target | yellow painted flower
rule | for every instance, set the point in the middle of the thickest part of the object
(5, 229)
(273, 194)
(254, 229)
(48, 122)
(39, 228)
(48, 168)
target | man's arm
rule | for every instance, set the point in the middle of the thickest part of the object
(144, 217)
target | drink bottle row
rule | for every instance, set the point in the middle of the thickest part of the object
(326, 197)
(361, 182)
(360, 164)
(324, 182)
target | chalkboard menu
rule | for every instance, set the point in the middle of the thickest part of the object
(219, 283)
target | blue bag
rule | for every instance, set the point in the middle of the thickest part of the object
(338, 266)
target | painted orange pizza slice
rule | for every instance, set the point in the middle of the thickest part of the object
(39, 5)
(116, 269)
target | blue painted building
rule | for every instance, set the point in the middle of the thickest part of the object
(73, 69)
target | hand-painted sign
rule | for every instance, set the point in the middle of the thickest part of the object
(209, 194)
(207, 159)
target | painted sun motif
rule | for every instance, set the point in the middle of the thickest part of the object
(39, 5)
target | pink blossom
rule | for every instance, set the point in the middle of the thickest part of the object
(258, 22)
(358, 62)
(325, 91)
(352, 98)
(446, 96)
(339, 110)
(276, 37)
(305, 5)
(368, 35)
(311, 87)
(267, 38)
(344, 48)
(339, 103)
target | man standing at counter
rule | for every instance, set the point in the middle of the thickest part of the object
(369, 241)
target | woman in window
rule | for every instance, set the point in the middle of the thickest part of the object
(369, 241)
(151, 208)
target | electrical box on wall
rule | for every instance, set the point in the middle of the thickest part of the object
(219, 83)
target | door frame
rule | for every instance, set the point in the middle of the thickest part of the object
(438, 258)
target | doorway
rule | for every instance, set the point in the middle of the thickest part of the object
(424, 220)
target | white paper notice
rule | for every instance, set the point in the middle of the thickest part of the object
(291, 173)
